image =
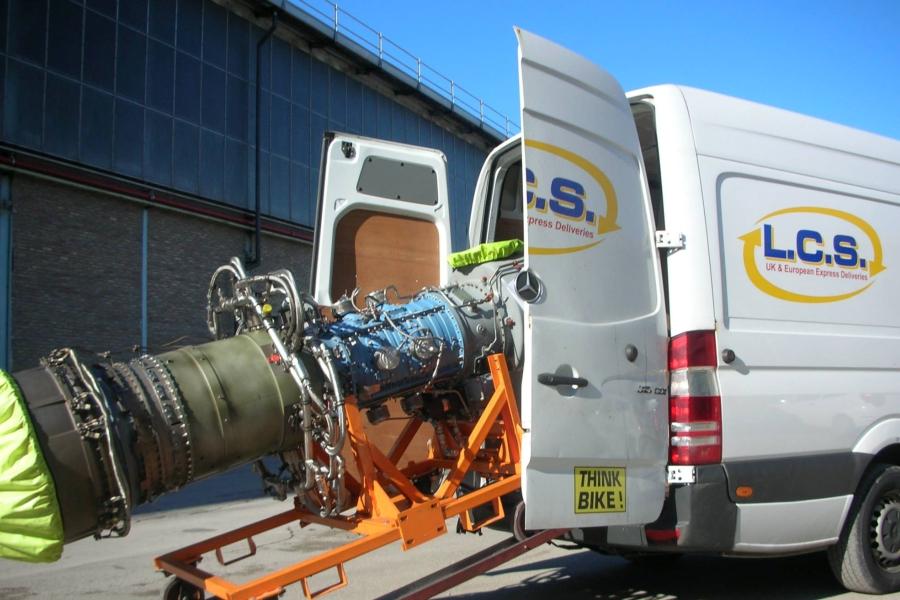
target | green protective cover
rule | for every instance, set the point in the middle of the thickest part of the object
(30, 523)
(483, 253)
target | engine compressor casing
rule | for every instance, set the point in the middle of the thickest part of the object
(439, 335)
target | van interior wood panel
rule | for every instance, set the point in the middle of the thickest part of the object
(509, 229)
(373, 250)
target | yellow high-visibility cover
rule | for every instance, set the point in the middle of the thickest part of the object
(483, 253)
(30, 523)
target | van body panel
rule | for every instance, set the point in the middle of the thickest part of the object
(690, 308)
(780, 527)
(755, 134)
(593, 452)
(803, 287)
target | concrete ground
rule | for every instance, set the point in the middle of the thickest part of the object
(122, 568)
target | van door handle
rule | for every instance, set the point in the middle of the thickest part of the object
(555, 380)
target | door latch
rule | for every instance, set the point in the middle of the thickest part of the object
(555, 380)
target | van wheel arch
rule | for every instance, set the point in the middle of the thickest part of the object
(889, 455)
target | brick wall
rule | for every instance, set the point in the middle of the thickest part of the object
(183, 253)
(76, 270)
(76, 277)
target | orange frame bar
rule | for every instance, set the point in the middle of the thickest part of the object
(409, 516)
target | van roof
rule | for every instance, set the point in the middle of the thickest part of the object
(749, 132)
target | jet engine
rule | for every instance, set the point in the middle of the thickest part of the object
(275, 380)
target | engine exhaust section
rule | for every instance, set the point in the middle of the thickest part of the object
(115, 435)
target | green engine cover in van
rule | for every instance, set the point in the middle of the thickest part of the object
(483, 253)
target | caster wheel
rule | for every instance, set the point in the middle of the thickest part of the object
(179, 589)
(519, 530)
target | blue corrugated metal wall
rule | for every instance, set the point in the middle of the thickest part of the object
(163, 91)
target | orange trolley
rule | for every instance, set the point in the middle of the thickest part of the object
(389, 508)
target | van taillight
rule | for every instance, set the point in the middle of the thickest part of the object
(692, 349)
(695, 407)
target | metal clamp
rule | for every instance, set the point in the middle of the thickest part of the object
(91, 407)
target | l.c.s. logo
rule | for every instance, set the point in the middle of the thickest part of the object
(812, 254)
(570, 204)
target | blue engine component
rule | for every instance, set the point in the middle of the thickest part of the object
(396, 347)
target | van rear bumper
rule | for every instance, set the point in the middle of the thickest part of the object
(697, 517)
(704, 516)
(702, 513)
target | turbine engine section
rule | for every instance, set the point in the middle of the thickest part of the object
(390, 349)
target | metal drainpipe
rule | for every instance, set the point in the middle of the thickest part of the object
(145, 287)
(6, 266)
(256, 257)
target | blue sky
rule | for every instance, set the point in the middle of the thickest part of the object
(838, 60)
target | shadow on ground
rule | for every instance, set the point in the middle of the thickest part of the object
(240, 483)
(584, 575)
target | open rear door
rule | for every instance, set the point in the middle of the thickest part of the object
(594, 397)
(383, 218)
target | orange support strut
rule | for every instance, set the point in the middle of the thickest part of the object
(389, 506)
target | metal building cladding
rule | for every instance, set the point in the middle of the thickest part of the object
(128, 154)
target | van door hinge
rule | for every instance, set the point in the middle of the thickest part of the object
(670, 240)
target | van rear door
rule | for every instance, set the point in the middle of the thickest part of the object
(594, 397)
(383, 218)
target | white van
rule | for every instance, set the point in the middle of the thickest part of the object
(711, 287)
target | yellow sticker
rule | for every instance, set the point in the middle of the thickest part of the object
(599, 490)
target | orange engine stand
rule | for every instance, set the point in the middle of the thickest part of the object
(389, 506)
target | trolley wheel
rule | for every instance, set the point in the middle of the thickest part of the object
(519, 530)
(179, 589)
